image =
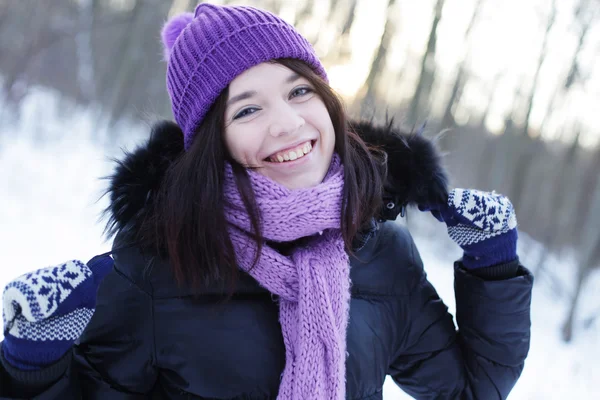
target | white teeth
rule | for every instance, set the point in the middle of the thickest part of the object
(292, 155)
(308, 147)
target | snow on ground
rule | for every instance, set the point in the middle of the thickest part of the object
(49, 209)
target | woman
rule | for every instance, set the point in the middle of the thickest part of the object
(253, 259)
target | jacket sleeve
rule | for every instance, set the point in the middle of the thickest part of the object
(484, 358)
(113, 358)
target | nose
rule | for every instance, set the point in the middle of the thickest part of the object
(285, 120)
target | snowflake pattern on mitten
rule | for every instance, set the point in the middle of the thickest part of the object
(46, 310)
(59, 327)
(484, 215)
(36, 295)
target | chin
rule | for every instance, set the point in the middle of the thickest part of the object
(301, 182)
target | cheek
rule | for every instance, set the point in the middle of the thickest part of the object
(242, 146)
(326, 128)
(331, 133)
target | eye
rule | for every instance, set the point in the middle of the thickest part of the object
(245, 112)
(301, 91)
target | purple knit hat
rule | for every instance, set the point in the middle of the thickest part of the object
(206, 50)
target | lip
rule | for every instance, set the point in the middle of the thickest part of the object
(290, 147)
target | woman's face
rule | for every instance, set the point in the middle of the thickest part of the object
(277, 124)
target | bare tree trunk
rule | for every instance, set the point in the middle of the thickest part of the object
(559, 201)
(423, 88)
(572, 76)
(583, 271)
(370, 86)
(523, 161)
(349, 18)
(541, 58)
(455, 94)
(3, 12)
(305, 12)
(38, 38)
(84, 48)
(567, 329)
(332, 6)
(588, 251)
(491, 97)
(128, 58)
(459, 81)
(589, 186)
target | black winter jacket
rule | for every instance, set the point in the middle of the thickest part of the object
(150, 339)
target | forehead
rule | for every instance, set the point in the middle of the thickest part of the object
(262, 76)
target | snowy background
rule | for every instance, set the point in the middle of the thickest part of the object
(50, 207)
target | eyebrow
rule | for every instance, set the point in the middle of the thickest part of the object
(246, 95)
(240, 97)
(293, 77)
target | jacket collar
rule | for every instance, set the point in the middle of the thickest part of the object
(363, 237)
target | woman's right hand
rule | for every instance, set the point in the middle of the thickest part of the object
(46, 310)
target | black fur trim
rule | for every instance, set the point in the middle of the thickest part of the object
(138, 176)
(415, 172)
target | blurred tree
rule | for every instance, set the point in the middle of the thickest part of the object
(344, 48)
(130, 79)
(490, 101)
(523, 160)
(39, 37)
(420, 99)
(4, 8)
(369, 89)
(349, 18)
(340, 17)
(590, 184)
(305, 12)
(554, 228)
(332, 7)
(303, 18)
(119, 74)
(460, 80)
(585, 13)
(587, 235)
(589, 260)
(84, 48)
(551, 19)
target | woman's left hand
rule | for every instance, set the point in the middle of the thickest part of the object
(483, 224)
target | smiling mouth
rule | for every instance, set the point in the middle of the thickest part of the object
(292, 154)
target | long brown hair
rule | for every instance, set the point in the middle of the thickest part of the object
(189, 221)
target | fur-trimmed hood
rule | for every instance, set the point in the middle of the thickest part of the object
(415, 173)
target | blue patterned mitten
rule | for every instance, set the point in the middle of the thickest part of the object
(483, 224)
(46, 310)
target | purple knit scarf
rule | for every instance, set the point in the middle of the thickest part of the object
(313, 283)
